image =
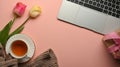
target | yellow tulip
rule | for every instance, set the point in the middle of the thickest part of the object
(35, 11)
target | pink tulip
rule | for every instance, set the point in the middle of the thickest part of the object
(19, 9)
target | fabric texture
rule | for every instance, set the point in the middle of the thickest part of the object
(46, 59)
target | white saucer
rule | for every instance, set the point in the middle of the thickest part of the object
(27, 40)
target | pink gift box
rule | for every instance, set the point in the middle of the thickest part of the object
(112, 42)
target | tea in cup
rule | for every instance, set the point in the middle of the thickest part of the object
(18, 49)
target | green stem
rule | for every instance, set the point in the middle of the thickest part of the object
(14, 18)
(20, 28)
(24, 22)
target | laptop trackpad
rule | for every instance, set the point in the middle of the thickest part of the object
(91, 19)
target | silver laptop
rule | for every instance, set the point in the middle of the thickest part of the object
(102, 16)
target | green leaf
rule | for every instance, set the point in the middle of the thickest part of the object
(17, 31)
(5, 32)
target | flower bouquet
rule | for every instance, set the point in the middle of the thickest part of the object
(18, 11)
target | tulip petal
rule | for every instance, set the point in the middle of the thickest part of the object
(35, 11)
(19, 9)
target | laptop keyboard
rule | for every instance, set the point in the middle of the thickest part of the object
(110, 7)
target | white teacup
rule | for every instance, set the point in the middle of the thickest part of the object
(18, 49)
(21, 47)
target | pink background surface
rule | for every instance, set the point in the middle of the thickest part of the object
(73, 46)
